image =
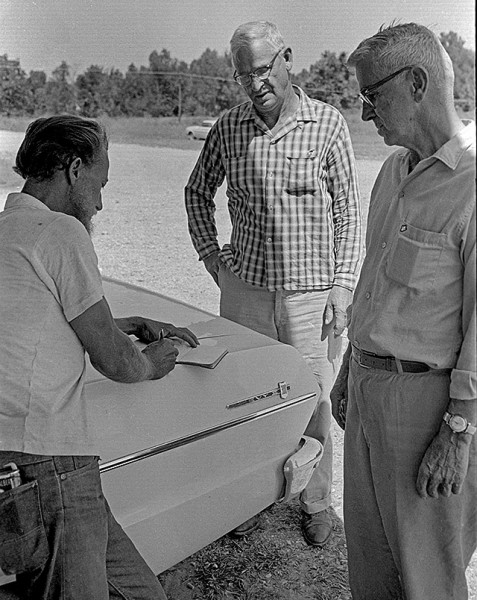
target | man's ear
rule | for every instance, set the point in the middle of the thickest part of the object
(288, 57)
(420, 82)
(74, 169)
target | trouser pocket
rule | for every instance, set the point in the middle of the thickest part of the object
(23, 543)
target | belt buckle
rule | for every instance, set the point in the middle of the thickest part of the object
(361, 364)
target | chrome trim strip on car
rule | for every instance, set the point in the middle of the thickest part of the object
(160, 448)
(282, 389)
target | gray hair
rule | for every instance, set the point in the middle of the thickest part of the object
(247, 33)
(52, 143)
(407, 44)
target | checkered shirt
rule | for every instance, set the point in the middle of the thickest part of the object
(293, 198)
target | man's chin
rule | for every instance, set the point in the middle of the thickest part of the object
(87, 224)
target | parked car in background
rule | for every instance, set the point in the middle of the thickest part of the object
(199, 132)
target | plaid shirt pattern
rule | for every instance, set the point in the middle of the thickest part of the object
(292, 196)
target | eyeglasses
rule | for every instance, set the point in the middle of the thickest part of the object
(261, 73)
(366, 92)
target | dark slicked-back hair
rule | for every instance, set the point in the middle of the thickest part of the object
(52, 143)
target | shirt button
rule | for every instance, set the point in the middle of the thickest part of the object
(62, 476)
(383, 245)
(269, 240)
(270, 207)
(368, 295)
(403, 228)
(271, 174)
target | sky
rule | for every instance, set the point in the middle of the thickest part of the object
(116, 33)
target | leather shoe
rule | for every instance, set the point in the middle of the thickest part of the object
(247, 527)
(316, 528)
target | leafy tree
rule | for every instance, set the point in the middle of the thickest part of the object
(168, 86)
(37, 85)
(463, 61)
(217, 91)
(60, 93)
(136, 91)
(99, 91)
(15, 94)
(329, 80)
(166, 89)
(115, 93)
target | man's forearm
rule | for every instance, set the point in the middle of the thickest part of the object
(125, 363)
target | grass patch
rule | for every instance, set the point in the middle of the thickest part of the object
(273, 563)
(168, 132)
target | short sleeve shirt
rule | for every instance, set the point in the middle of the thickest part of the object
(48, 276)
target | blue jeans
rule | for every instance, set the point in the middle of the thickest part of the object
(70, 546)
(294, 318)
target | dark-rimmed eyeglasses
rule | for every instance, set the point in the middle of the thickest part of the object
(261, 73)
(366, 92)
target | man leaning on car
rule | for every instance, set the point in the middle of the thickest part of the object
(57, 533)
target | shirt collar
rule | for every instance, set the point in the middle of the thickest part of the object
(452, 151)
(22, 200)
(305, 111)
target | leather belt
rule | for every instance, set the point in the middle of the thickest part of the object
(368, 360)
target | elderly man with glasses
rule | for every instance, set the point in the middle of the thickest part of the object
(409, 377)
(291, 264)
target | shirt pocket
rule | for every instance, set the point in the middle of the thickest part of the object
(23, 543)
(302, 173)
(414, 257)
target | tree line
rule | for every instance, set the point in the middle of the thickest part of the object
(168, 86)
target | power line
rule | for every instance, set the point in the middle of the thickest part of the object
(178, 74)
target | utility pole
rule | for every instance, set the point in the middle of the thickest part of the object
(179, 110)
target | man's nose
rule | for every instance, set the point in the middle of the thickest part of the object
(256, 83)
(367, 113)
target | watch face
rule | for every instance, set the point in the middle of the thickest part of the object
(457, 423)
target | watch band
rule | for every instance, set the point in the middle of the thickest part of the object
(468, 427)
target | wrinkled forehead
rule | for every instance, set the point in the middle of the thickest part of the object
(255, 54)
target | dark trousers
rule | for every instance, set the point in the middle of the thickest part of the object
(399, 544)
(70, 547)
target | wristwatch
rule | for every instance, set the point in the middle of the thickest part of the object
(459, 424)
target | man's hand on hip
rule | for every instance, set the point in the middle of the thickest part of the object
(337, 304)
(444, 466)
(212, 264)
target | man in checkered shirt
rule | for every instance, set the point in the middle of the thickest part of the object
(291, 265)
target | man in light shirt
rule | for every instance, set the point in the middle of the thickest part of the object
(57, 533)
(291, 264)
(410, 503)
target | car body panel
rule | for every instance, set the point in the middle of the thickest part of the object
(189, 457)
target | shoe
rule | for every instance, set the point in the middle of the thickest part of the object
(316, 528)
(247, 527)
